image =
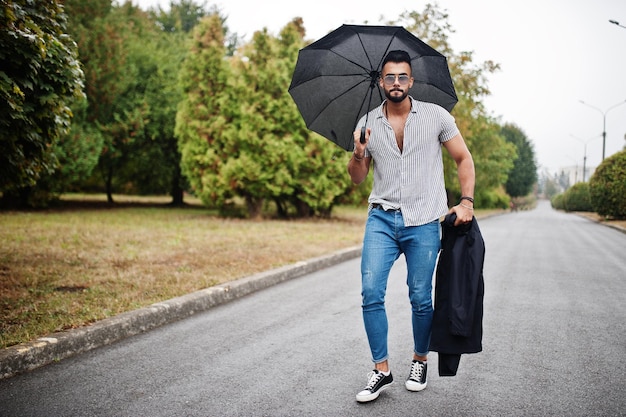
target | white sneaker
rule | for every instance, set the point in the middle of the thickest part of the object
(376, 383)
(417, 376)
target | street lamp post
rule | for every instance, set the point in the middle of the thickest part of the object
(604, 121)
(585, 142)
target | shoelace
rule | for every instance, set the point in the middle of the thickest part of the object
(416, 371)
(373, 379)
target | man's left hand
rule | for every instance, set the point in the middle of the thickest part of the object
(463, 214)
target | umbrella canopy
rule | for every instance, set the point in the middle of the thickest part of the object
(335, 81)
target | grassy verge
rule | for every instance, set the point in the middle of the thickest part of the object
(85, 261)
(71, 266)
(600, 219)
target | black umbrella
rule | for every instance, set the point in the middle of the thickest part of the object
(335, 81)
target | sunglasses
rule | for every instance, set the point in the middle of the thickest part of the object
(390, 79)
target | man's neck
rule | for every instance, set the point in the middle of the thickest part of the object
(397, 109)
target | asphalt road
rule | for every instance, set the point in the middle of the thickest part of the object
(554, 343)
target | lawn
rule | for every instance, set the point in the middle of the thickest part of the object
(85, 261)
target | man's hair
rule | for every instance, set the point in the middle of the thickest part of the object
(397, 56)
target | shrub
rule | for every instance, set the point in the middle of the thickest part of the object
(557, 202)
(577, 198)
(607, 187)
(493, 198)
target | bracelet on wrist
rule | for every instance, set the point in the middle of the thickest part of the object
(467, 207)
(470, 199)
(357, 158)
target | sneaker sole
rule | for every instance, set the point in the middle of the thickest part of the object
(372, 396)
(415, 387)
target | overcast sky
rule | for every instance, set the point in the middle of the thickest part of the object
(553, 54)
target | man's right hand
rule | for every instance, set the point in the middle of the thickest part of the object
(359, 147)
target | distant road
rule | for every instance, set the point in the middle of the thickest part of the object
(554, 343)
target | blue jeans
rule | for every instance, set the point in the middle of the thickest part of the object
(386, 238)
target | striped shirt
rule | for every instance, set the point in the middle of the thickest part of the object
(412, 180)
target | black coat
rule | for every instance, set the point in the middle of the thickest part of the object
(459, 290)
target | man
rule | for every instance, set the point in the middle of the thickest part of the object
(403, 144)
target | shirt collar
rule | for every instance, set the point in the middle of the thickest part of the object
(380, 113)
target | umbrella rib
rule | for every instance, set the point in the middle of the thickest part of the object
(378, 68)
(365, 78)
(366, 52)
(352, 61)
(336, 98)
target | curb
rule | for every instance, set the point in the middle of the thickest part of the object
(612, 226)
(57, 346)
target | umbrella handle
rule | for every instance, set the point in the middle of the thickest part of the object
(363, 134)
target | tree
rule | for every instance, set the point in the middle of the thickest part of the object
(241, 134)
(40, 78)
(523, 175)
(123, 114)
(132, 59)
(119, 49)
(164, 91)
(101, 31)
(206, 113)
(320, 176)
(300, 171)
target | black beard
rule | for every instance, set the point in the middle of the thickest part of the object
(396, 99)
